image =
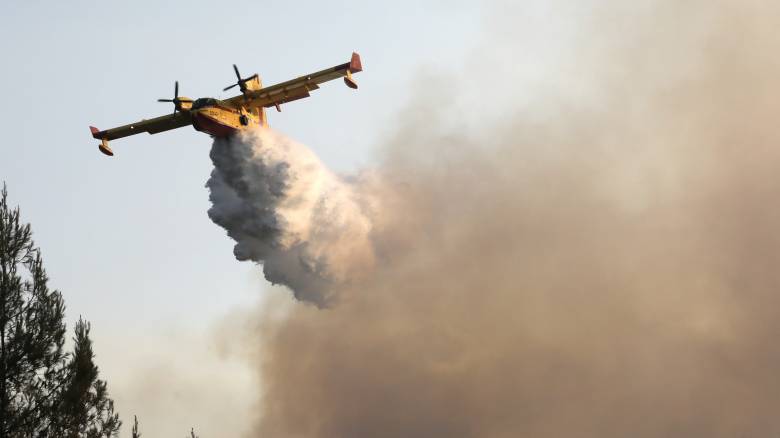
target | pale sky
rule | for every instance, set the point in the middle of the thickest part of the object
(127, 239)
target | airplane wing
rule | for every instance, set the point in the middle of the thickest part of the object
(298, 88)
(152, 126)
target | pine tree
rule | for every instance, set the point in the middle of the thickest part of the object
(44, 392)
(32, 332)
(85, 410)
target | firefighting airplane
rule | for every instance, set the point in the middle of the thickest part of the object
(223, 118)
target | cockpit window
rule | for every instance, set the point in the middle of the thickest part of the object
(203, 101)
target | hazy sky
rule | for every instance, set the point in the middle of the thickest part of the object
(126, 239)
(574, 224)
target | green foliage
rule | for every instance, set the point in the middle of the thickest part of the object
(85, 410)
(32, 332)
(44, 392)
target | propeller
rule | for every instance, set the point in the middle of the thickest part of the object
(176, 100)
(240, 81)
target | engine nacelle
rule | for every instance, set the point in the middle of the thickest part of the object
(183, 104)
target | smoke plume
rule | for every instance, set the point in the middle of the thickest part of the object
(601, 260)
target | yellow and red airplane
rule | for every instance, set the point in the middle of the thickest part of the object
(223, 118)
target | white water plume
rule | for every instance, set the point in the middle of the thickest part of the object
(285, 210)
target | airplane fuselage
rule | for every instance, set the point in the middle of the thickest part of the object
(219, 120)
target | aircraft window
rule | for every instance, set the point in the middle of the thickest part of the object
(203, 101)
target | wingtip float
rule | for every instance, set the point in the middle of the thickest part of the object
(223, 118)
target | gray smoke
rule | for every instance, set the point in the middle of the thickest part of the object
(598, 259)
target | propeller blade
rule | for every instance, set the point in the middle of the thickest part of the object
(164, 100)
(227, 88)
(176, 90)
(238, 75)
